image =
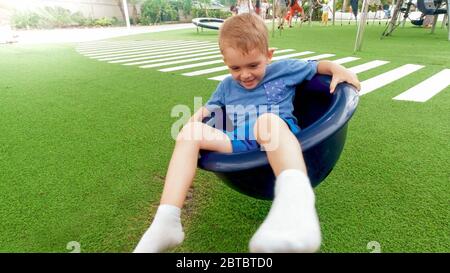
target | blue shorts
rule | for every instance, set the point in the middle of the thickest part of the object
(242, 138)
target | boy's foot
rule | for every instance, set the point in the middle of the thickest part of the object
(292, 224)
(290, 26)
(164, 233)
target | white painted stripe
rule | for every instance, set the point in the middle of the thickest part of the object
(381, 80)
(125, 49)
(142, 56)
(172, 58)
(317, 57)
(144, 50)
(219, 78)
(125, 46)
(180, 62)
(367, 66)
(287, 56)
(428, 88)
(118, 45)
(150, 58)
(100, 43)
(109, 45)
(122, 43)
(206, 71)
(205, 63)
(345, 60)
(159, 58)
(221, 68)
(194, 65)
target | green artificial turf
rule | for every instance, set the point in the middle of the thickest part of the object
(84, 148)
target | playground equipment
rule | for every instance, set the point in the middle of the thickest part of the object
(323, 118)
(211, 23)
(427, 7)
(434, 7)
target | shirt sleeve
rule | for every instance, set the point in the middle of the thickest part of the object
(217, 98)
(300, 70)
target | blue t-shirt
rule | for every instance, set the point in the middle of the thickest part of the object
(274, 94)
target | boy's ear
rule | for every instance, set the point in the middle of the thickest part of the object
(270, 54)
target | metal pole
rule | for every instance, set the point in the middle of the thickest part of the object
(434, 23)
(273, 18)
(334, 10)
(362, 24)
(310, 11)
(125, 10)
(448, 18)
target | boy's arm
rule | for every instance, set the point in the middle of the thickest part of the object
(339, 74)
(200, 114)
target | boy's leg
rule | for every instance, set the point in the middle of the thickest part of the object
(183, 164)
(166, 231)
(292, 224)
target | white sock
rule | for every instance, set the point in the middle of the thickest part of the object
(292, 224)
(164, 233)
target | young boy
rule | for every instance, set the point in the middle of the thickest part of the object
(292, 224)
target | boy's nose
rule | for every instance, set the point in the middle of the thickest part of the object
(245, 74)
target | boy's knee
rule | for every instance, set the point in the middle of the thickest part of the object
(191, 131)
(268, 119)
(267, 126)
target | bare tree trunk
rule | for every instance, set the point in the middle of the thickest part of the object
(120, 4)
(135, 15)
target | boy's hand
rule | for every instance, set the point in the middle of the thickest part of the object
(339, 74)
(344, 75)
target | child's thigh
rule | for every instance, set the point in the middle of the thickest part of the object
(213, 139)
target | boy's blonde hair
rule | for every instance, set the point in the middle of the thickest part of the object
(244, 32)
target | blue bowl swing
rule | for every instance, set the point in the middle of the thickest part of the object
(323, 118)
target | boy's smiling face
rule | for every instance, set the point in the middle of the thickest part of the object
(247, 69)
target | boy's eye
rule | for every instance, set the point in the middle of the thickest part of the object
(234, 68)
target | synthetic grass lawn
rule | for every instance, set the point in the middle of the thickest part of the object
(85, 144)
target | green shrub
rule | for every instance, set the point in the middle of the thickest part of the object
(56, 17)
(78, 18)
(103, 22)
(214, 13)
(155, 11)
(25, 19)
